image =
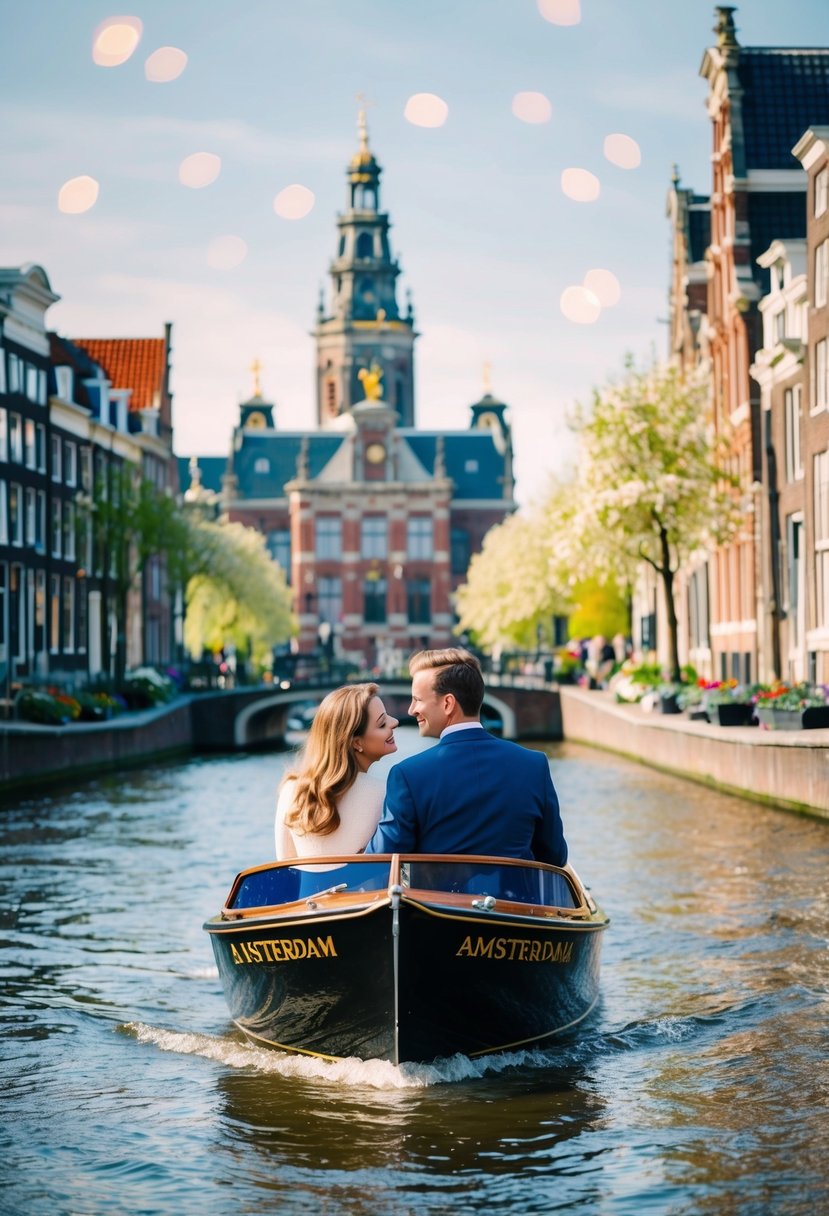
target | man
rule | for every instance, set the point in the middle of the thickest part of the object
(472, 793)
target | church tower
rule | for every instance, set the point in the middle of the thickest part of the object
(363, 325)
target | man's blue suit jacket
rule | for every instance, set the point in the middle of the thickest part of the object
(472, 793)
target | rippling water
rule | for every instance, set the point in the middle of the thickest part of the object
(700, 1086)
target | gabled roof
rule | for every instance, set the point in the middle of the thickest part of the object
(131, 363)
(786, 90)
(471, 458)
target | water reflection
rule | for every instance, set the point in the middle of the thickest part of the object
(698, 1086)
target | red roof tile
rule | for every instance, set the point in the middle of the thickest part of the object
(134, 363)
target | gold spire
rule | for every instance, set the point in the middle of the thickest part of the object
(256, 368)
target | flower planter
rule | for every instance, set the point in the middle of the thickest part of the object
(815, 717)
(779, 719)
(668, 703)
(735, 713)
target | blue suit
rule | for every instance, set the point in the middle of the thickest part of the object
(472, 793)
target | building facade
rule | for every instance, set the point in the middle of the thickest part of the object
(373, 519)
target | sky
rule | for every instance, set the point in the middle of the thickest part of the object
(487, 238)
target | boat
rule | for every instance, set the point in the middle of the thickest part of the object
(407, 957)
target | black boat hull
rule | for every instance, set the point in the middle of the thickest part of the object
(404, 979)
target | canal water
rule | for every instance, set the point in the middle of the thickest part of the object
(700, 1086)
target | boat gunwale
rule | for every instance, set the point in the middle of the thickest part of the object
(585, 914)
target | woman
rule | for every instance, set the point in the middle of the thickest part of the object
(328, 805)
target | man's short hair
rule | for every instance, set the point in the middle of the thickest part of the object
(457, 672)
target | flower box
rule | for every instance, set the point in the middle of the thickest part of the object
(735, 713)
(668, 703)
(815, 717)
(779, 719)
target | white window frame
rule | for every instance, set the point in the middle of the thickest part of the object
(821, 273)
(820, 376)
(793, 409)
(16, 517)
(70, 463)
(822, 191)
(57, 464)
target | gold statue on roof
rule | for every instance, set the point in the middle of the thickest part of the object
(370, 378)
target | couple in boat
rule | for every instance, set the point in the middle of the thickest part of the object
(471, 794)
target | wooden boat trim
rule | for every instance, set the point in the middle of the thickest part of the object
(498, 915)
(254, 916)
(585, 909)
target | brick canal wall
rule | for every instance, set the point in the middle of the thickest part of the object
(788, 769)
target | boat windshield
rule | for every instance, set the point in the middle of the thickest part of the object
(521, 884)
(285, 884)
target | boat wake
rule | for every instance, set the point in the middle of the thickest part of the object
(354, 1073)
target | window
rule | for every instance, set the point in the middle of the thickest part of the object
(56, 461)
(15, 374)
(419, 538)
(40, 522)
(365, 245)
(821, 192)
(329, 535)
(4, 513)
(820, 372)
(821, 529)
(373, 538)
(54, 613)
(68, 620)
(470, 466)
(40, 611)
(40, 448)
(779, 325)
(15, 514)
(4, 434)
(17, 618)
(70, 464)
(56, 527)
(29, 443)
(418, 601)
(2, 370)
(374, 601)
(69, 531)
(793, 411)
(261, 465)
(15, 439)
(83, 615)
(821, 273)
(460, 550)
(329, 599)
(279, 547)
(32, 391)
(31, 516)
(86, 469)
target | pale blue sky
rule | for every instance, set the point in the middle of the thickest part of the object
(486, 238)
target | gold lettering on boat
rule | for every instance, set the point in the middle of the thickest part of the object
(515, 949)
(283, 949)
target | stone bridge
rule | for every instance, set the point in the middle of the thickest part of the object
(257, 717)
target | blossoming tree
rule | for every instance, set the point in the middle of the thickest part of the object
(235, 592)
(652, 485)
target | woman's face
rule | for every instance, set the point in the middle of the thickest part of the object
(377, 740)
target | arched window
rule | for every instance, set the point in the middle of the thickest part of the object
(365, 245)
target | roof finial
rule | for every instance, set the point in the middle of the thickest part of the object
(362, 125)
(725, 29)
(675, 178)
(256, 368)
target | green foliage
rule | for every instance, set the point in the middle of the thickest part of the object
(236, 595)
(47, 707)
(600, 607)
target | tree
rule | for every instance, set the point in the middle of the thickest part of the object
(128, 520)
(511, 589)
(652, 483)
(236, 594)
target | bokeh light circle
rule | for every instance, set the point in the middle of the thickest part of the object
(200, 169)
(294, 202)
(115, 39)
(78, 195)
(604, 286)
(426, 110)
(580, 305)
(165, 64)
(226, 252)
(560, 12)
(622, 151)
(532, 107)
(580, 185)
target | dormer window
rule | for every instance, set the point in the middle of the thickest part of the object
(470, 466)
(779, 325)
(779, 275)
(262, 465)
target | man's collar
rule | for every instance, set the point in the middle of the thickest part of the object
(450, 730)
